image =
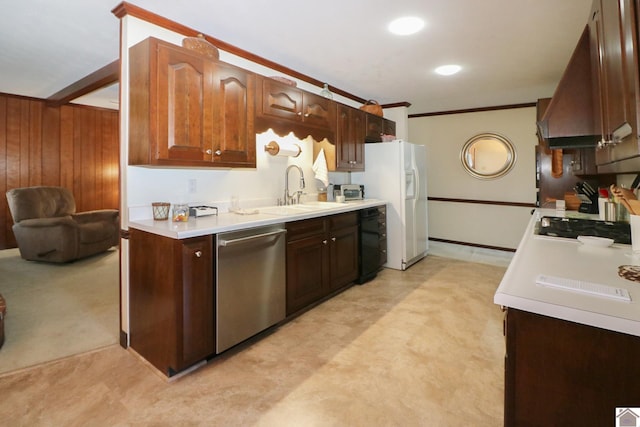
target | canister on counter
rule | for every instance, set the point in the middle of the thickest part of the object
(180, 212)
(160, 210)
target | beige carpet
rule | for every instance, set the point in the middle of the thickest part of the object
(57, 310)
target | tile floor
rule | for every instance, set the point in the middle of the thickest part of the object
(422, 347)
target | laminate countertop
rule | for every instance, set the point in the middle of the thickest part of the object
(229, 221)
(570, 259)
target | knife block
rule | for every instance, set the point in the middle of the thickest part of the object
(590, 207)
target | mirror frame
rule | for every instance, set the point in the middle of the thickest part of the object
(508, 165)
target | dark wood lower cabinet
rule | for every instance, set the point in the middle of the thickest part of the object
(322, 257)
(563, 373)
(307, 271)
(171, 300)
(343, 246)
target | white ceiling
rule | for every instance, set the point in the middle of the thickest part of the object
(512, 51)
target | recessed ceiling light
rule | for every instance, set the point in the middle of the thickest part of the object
(405, 26)
(447, 70)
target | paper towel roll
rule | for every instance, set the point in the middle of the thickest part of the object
(275, 149)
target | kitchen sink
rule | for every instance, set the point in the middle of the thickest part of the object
(285, 210)
(322, 205)
(300, 208)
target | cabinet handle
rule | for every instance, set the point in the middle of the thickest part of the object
(306, 115)
(333, 239)
(299, 113)
(324, 242)
(604, 143)
(384, 234)
(208, 151)
(198, 254)
(218, 152)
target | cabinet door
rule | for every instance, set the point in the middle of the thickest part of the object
(318, 111)
(233, 105)
(195, 315)
(613, 33)
(280, 100)
(374, 128)
(350, 136)
(152, 311)
(358, 136)
(171, 300)
(563, 373)
(184, 105)
(345, 148)
(344, 256)
(307, 271)
(388, 127)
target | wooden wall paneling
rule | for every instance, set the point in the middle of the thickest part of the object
(88, 160)
(13, 156)
(72, 146)
(110, 160)
(23, 144)
(13, 143)
(76, 165)
(66, 147)
(51, 146)
(99, 160)
(5, 217)
(35, 143)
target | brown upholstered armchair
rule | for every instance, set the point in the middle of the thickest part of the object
(47, 227)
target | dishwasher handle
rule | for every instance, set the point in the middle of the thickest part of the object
(240, 240)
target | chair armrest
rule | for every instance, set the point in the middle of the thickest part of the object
(48, 222)
(96, 215)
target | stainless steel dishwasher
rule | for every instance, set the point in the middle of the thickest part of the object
(250, 285)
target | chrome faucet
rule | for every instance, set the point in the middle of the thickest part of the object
(288, 198)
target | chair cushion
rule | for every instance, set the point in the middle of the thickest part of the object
(40, 202)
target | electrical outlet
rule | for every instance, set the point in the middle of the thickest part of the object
(192, 186)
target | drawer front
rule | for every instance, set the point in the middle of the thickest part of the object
(305, 228)
(343, 220)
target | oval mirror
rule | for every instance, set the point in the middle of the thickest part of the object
(488, 155)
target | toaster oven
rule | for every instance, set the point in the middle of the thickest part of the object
(349, 191)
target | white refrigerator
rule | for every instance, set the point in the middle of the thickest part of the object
(397, 172)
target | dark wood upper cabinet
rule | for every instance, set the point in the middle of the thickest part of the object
(388, 127)
(375, 126)
(187, 110)
(284, 108)
(614, 49)
(350, 136)
(568, 119)
(596, 102)
(234, 114)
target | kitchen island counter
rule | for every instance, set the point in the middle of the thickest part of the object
(229, 221)
(571, 259)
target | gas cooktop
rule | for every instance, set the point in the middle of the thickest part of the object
(571, 228)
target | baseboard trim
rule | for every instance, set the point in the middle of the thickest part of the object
(475, 245)
(124, 340)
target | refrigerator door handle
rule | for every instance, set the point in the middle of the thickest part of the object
(411, 189)
(416, 183)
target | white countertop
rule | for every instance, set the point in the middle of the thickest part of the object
(232, 221)
(571, 259)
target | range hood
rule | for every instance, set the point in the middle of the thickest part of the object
(568, 121)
